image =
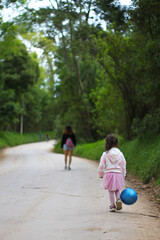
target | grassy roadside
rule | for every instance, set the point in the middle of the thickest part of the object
(142, 156)
(9, 139)
(90, 150)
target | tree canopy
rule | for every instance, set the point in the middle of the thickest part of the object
(99, 68)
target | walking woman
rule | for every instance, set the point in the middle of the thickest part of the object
(68, 143)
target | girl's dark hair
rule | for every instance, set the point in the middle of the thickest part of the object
(68, 130)
(111, 141)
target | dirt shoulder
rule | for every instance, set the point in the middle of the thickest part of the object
(150, 190)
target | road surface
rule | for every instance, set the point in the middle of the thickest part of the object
(40, 200)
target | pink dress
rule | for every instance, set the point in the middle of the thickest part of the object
(112, 168)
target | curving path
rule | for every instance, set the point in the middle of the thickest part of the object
(39, 200)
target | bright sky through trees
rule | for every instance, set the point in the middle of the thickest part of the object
(125, 2)
(10, 13)
(42, 3)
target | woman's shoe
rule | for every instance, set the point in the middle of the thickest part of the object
(69, 168)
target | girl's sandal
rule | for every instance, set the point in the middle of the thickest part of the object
(118, 204)
(112, 208)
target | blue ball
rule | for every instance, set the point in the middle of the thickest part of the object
(128, 196)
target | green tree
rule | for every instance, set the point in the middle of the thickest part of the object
(108, 113)
(87, 64)
(112, 13)
(19, 72)
(145, 24)
(70, 20)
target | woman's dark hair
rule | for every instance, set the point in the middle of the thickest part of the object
(111, 141)
(68, 130)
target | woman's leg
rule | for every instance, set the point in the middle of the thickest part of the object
(70, 158)
(111, 197)
(65, 157)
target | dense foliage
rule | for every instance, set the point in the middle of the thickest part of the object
(102, 68)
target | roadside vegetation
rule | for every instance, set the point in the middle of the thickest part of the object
(142, 155)
(9, 139)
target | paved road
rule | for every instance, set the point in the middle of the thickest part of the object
(39, 200)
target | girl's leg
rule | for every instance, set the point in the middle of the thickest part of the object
(118, 202)
(111, 197)
(70, 158)
(65, 158)
(117, 193)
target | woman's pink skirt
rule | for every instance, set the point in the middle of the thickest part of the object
(113, 181)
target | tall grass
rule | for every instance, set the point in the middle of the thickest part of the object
(90, 150)
(94, 150)
(143, 157)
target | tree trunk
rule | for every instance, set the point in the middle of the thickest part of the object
(21, 125)
(89, 9)
(75, 61)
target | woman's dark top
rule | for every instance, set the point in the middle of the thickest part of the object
(65, 136)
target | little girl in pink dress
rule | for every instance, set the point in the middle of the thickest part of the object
(112, 169)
